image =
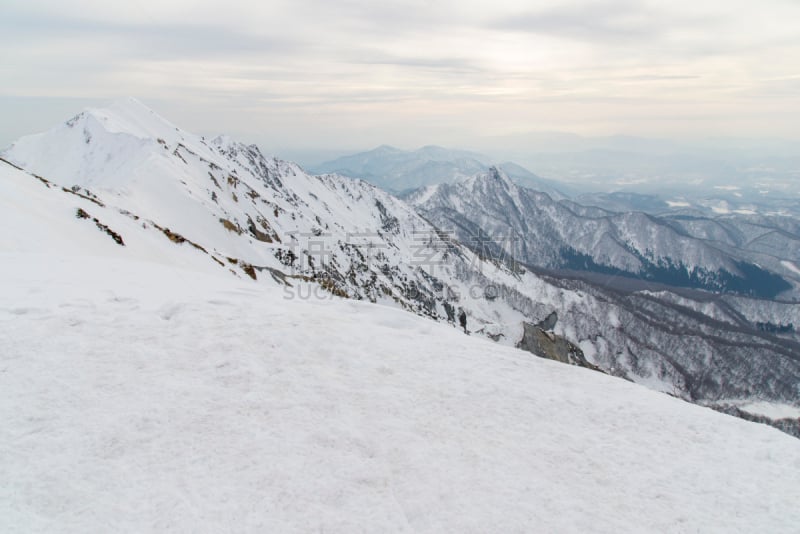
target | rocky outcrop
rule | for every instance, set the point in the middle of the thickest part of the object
(549, 322)
(551, 346)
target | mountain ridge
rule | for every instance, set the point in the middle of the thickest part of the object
(556, 234)
(268, 219)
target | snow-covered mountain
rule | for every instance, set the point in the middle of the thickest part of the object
(154, 192)
(396, 170)
(540, 231)
(263, 216)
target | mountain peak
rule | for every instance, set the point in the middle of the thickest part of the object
(131, 116)
(385, 149)
(491, 177)
(499, 175)
(122, 135)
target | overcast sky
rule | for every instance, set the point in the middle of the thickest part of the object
(355, 73)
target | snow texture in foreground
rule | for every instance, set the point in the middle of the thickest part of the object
(139, 397)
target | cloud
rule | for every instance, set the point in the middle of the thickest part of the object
(606, 22)
(146, 40)
(509, 65)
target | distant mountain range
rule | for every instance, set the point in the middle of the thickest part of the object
(616, 174)
(749, 255)
(396, 170)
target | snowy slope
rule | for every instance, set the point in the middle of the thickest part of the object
(219, 206)
(40, 219)
(132, 401)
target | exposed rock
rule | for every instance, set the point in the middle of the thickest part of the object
(255, 232)
(551, 346)
(549, 322)
(231, 227)
(81, 214)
